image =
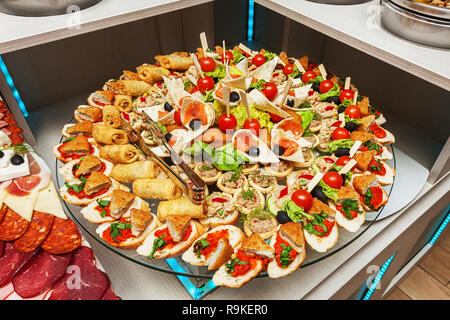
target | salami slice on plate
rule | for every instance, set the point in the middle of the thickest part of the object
(12, 226)
(63, 237)
(36, 233)
(11, 261)
(3, 211)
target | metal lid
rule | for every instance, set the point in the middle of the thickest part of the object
(424, 9)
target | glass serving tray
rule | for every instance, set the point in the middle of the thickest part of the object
(195, 278)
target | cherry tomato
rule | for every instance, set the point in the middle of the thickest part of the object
(207, 64)
(326, 86)
(275, 118)
(253, 125)
(354, 112)
(205, 84)
(333, 179)
(270, 90)
(346, 94)
(177, 117)
(342, 161)
(227, 56)
(288, 69)
(340, 133)
(227, 123)
(259, 60)
(302, 198)
(308, 75)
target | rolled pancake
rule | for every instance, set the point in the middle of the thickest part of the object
(107, 135)
(151, 74)
(175, 62)
(124, 153)
(163, 189)
(128, 173)
(182, 206)
(111, 116)
(123, 103)
(132, 88)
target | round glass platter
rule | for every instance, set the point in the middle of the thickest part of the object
(185, 269)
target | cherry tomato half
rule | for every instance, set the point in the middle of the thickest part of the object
(207, 64)
(253, 125)
(326, 86)
(205, 84)
(227, 123)
(302, 198)
(342, 161)
(333, 179)
(308, 75)
(227, 56)
(177, 117)
(340, 133)
(270, 90)
(346, 94)
(288, 69)
(354, 112)
(275, 118)
(259, 60)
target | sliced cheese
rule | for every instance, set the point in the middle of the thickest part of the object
(348, 166)
(355, 148)
(342, 119)
(48, 202)
(23, 206)
(299, 66)
(314, 181)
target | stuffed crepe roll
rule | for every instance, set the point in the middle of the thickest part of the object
(164, 189)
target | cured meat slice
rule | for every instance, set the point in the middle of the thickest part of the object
(63, 237)
(12, 226)
(40, 273)
(36, 233)
(3, 211)
(110, 295)
(2, 248)
(39, 178)
(11, 261)
(83, 281)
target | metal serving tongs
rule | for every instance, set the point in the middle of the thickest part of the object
(196, 192)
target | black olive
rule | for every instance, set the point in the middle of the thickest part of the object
(2, 154)
(334, 99)
(318, 193)
(195, 124)
(341, 151)
(278, 150)
(234, 96)
(282, 217)
(253, 151)
(250, 89)
(290, 102)
(168, 136)
(351, 126)
(215, 79)
(341, 109)
(298, 76)
(168, 107)
(17, 160)
(315, 86)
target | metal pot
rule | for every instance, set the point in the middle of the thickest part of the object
(39, 8)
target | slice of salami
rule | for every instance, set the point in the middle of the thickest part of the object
(11, 261)
(36, 233)
(63, 237)
(40, 273)
(110, 295)
(83, 281)
(2, 248)
(13, 226)
(3, 211)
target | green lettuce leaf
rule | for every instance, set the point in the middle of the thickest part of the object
(227, 158)
(307, 117)
(240, 113)
(294, 212)
(344, 143)
(218, 73)
(331, 93)
(237, 56)
(329, 191)
(269, 55)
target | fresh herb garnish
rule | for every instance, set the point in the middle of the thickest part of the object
(199, 246)
(206, 168)
(368, 198)
(285, 258)
(348, 206)
(232, 264)
(258, 84)
(77, 187)
(69, 139)
(157, 244)
(116, 229)
(376, 167)
(317, 220)
(103, 204)
(20, 149)
(248, 194)
(236, 174)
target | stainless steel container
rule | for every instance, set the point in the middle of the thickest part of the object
(39, 8)
(427, 25)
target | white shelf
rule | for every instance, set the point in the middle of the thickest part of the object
(357, 26)
(22, 32)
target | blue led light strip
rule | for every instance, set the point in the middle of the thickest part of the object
(251, 15)
(196, 293)
(378, 278)
(441, 228)
(11, 85)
